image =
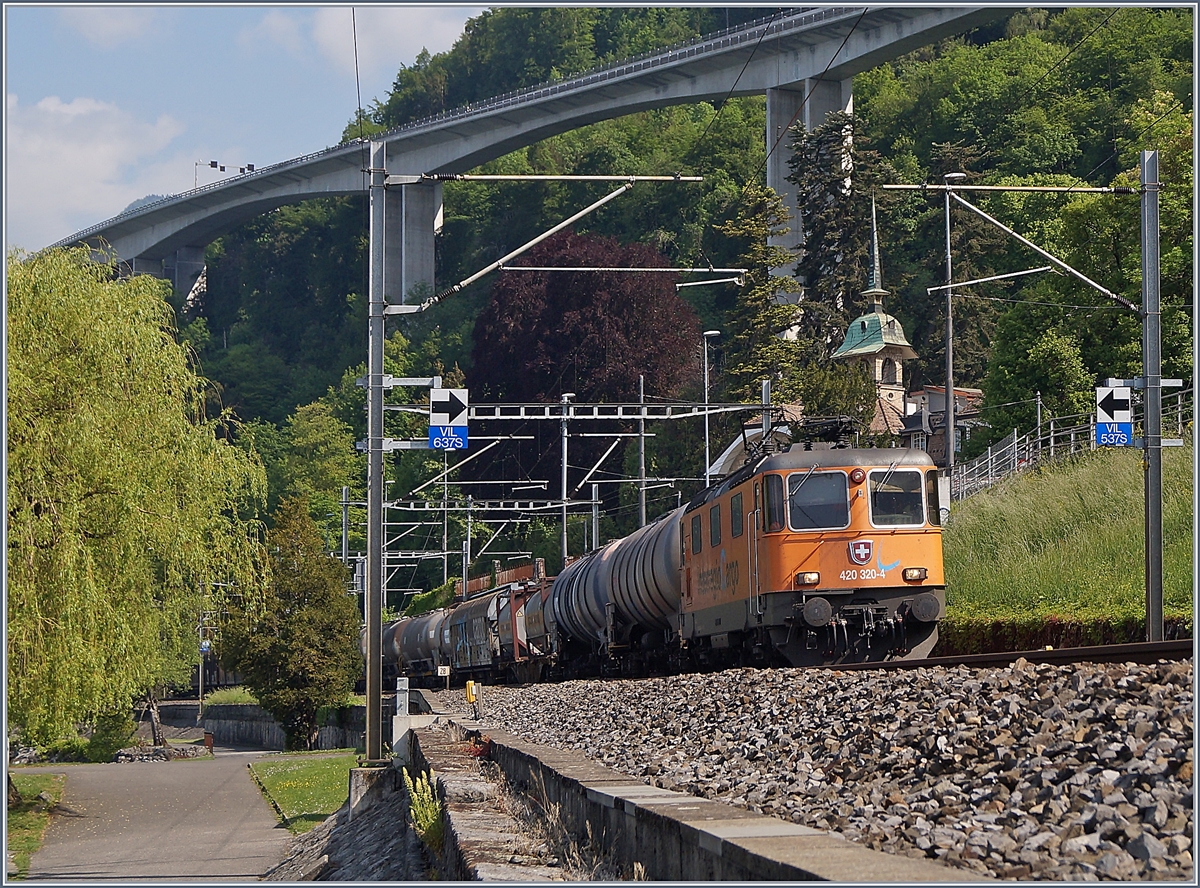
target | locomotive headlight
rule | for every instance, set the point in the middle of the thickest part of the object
(915, 573)
(857, 476)
(808, 578)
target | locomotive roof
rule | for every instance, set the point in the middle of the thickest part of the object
(796, 457)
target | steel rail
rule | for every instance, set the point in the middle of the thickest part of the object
(1138, 652)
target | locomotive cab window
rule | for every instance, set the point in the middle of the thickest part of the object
(772, 515)
(818, 500)
(735, 515)
(714, 525)
(933, 504)
(697, 542)
(896, 499)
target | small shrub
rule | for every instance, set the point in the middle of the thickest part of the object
(231, 696)
(425, 809)
(441, 596)
(70, 749)
(112, 732)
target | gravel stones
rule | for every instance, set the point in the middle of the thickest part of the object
(1031, 771)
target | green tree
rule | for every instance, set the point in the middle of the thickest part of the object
(128, 512)
(835, 178)
(301, 651)
(755, 347)
(1052, 365)
(320, 460)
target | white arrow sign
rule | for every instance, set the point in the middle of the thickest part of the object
(1113, 404)
(448, 407)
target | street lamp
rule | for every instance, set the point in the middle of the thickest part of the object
(215, 165)
(565, 400)
(950, 179)
(707, 458)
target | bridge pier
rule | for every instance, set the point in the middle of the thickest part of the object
(182, 268)
(783, 104)
(413, 215)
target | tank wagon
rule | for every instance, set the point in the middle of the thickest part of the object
(803, 557)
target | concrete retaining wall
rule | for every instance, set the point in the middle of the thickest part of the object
(679, 837)
(252, 726)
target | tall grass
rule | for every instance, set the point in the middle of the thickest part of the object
(1068, 541)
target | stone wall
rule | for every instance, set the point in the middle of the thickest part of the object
(251, 726)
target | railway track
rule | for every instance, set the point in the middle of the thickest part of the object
(1139, 652)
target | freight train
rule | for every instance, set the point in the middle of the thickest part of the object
(801, 557)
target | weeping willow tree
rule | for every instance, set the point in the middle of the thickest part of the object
(129, 514)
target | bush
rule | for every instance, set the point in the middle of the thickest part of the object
(112, 732)
(70, 749)
(231, 696)
(442, 596)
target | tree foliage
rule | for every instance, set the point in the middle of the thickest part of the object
(301, 651)
(591, 333)
(126, 505)
(754, 346)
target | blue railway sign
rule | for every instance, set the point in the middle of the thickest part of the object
(448, 411)
(1114, 434)
(448, 437)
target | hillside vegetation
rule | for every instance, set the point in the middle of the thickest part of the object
(1067, 97)
(1065, 544)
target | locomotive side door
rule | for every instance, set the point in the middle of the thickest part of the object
(753, 538)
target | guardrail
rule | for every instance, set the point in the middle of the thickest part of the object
(721, 40)
(1059, 438)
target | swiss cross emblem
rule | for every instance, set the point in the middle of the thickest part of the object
(860, 551)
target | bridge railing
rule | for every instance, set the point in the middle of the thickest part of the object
(750, 32)
(1059, 438)
(723, 39)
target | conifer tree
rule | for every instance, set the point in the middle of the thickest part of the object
(755, 347)
(835, 180)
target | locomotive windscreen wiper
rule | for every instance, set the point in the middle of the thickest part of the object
(796, 504)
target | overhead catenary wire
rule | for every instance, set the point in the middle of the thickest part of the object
(721, 105)
(1068, 54)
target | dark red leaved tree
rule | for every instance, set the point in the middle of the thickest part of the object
(591, 333)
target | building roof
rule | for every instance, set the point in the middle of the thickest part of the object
(872, 333)
(876, 330)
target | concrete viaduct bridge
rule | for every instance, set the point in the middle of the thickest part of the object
(804, 61)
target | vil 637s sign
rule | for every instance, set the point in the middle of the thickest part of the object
(448, 419)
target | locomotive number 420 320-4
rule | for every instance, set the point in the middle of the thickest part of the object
(869, 573)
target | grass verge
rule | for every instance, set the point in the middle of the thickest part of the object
(305, 789)
(1065, 544)
(28, 821)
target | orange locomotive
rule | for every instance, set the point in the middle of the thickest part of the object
(801, 557)
(814, 556)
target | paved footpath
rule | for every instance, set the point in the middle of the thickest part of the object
(183, 820)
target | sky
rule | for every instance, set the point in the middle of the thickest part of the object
(106, 104)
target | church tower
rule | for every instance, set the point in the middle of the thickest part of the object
(877, 342)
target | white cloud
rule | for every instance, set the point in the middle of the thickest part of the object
(109, 26)
(275, 27)
(388, 36)
(70, 164)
